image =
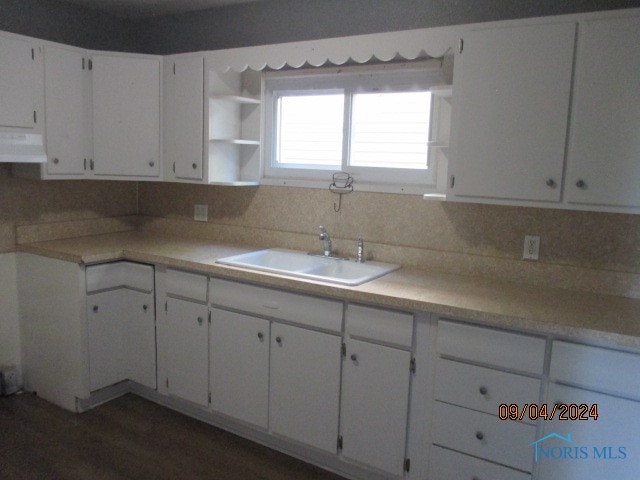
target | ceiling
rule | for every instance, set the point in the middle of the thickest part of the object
(149, 8)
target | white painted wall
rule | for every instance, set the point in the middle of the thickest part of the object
(9, 322)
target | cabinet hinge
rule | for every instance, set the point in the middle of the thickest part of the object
(412, 365)
(83, 63)
(407, 464)
(90, 64)
(167, 382)
(35, 118)
(209, 316)
(166, 307)
(460, 45)
(91, 164)
(209, 397)
(174, 167)
(174, 68)
(452, 181)
(85, 164)
(339, 442)
(344, 349)
(33, 54)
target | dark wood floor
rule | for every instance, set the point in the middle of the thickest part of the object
(130, 438)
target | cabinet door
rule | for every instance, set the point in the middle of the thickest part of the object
(67, 102)
(511, 106)
(107, 328)
(183, 117)
(126, 115)
(304, 386)
(141, 338)
(375, 399)
(18, 83)
(605, 448)
(240, 366)
(604, 141)
(188, 351)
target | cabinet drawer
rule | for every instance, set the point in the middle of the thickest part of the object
(447, 465)
(493, 347)
(119, 275)
(380, 325)
(598, 368)
(302, 309)
(481, 388)
(485, 436)
(186, 285)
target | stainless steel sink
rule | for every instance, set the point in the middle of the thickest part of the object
(301, 264)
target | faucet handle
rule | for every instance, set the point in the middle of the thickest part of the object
(360, 253)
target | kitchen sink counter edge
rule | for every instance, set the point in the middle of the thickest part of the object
(605, 320)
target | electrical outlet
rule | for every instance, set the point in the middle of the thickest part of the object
(201, 213)
(531, 247)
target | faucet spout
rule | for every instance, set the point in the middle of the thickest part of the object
(326, 241)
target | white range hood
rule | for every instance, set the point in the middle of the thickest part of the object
(22, 148)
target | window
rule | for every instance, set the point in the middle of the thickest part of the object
(376, 122)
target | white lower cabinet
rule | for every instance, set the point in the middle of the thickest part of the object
(239, 351)
(449, 465)
(305, 385)
(121, 324)
(187, 351)
(375, 399)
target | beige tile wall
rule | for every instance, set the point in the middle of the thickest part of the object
(579, 250)
(33, 210)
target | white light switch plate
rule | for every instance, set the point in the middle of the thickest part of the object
(201, 213)
(531, 247)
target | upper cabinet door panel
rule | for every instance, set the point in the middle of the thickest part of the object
(18, 83)
(67, 102)
(511, 103)
(126, 115)
(604, 140)
(183, 117)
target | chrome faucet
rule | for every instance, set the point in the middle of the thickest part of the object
(360, 254)
(326, 241)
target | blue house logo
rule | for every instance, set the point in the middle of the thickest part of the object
(566, 449)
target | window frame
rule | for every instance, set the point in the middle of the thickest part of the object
(387, 77)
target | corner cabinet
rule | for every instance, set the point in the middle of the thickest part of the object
(510, 106)
(126, 115)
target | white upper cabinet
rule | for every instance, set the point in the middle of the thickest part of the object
(67, 110)
(126, 115)
(603, 165)
(183, 107)
(511, 105)
(20, 72)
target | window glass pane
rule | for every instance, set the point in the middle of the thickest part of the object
(310, 130)
(390, 129)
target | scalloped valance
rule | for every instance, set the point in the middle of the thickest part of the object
(408, 45)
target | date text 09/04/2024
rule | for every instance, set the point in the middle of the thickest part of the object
(561, 411)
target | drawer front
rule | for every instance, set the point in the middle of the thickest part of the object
(598, 368)
(186, 285)
(481, 388)
(380, 325)
(485, 436)
(493, 347)
(118, 275)
(448, 465)
(302, 309)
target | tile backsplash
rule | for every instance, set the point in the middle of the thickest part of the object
(33, 210)
(579, 250)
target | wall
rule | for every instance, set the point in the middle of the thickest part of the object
(63, 22)
(579, 250)
(277, 21)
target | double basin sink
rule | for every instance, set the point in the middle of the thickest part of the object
(300, 264)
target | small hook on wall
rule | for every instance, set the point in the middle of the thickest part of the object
(342, 184)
